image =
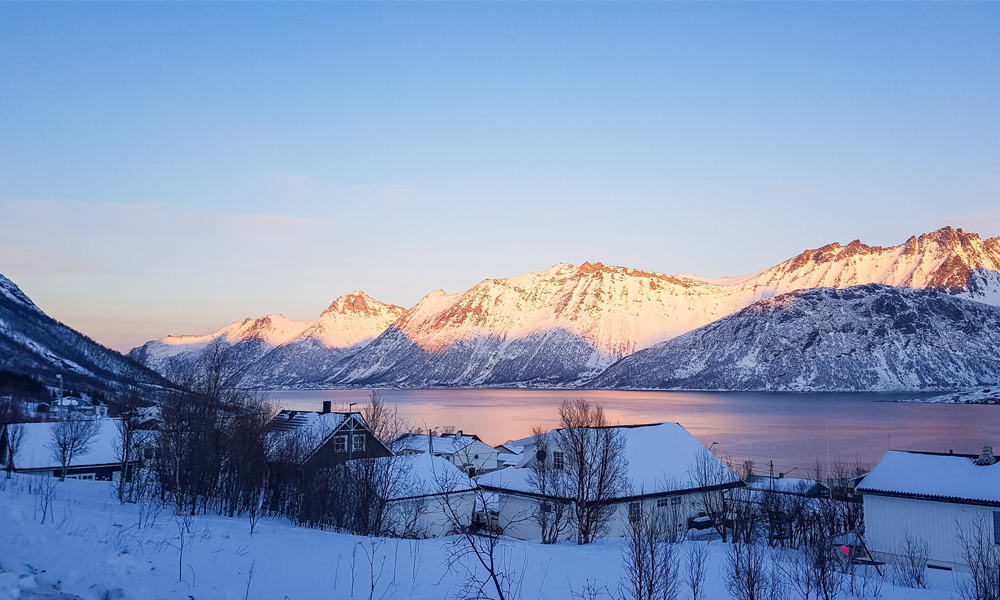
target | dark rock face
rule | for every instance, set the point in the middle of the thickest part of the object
(869, 337)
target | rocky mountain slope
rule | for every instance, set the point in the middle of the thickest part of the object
(562, 326)
(33, 343)
(566, 325)
(870, 337)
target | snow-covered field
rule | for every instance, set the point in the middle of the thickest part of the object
(92, 547)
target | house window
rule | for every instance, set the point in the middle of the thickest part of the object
(996, 527)
(634, 511)
(340, 443)
(545, 507)
(358, 443)
(667, 502)
(558, 460)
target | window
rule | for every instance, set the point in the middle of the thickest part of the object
(545, 507)
(634, 511)
(996, 527)
(358, 443)
(558, 460)
(340, 443)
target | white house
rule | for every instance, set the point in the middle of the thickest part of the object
(928, 497)
(34, 455)
(663, 459)
(434, 495)
(467, 452)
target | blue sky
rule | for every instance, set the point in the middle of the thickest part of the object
(169, 168)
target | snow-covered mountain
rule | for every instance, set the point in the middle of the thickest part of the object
(312, 357)
(246, 341)
(564, 325)
(275, 351)
(870, 337)
(33, 343)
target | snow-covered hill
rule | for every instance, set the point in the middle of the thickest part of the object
(33, 343)
(869, 337)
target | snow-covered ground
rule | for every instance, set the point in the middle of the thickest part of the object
(986, 395)
(92, 547)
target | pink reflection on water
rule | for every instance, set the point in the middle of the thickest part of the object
(793, 430)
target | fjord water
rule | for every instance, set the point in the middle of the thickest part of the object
(791, 429)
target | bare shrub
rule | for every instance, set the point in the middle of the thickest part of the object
(649, 557)
(752, 573)
(910, 567)
(982, 555)
(696, 569)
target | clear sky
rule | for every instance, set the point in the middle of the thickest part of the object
(170, 168)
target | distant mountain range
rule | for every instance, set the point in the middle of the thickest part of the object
(33, 343)
(567, 326)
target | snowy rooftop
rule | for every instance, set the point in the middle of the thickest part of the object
(661, 457)
(788, 485)
(445, 445)
(430, 474)
(308, 427)
(942, 476)
(35, 453)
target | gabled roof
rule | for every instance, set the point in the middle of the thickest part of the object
(443, 445)
(428, 475)
(785, 485)
(941, 477)
(312, 429)
(661, 459)
(34, 452)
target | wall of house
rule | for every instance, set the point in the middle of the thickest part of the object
(889, 520)
(327, 456)
(478, 454)
(516, 516)
(430, 516)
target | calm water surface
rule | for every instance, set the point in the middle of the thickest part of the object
(793, 430)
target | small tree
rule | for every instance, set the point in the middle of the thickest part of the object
(751, 572)
(697, 570)
(982, 555)
(712, 475)
(70, 439)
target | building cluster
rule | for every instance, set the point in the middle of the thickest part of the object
(933, 498)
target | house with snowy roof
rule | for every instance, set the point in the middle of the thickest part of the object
(664, 466)
(465, 451)
(433, 494)
(34, 455)
(323, 439)
(928, 498)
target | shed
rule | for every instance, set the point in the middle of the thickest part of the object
(929, 497)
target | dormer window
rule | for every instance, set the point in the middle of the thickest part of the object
(358, 443)
(340, 443)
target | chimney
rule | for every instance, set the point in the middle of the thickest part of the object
(986, 458)
(458, 435)
(327, 404)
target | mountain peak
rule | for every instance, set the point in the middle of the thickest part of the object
(11, 290)
(358, 302)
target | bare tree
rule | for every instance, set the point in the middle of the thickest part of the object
(71, 438)
(15, 433)
(597, 470)
(383, 419)
(548, 478)
(478, 550)
(127, 403)
(649, 557)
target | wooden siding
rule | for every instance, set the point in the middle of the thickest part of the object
(888, 520)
